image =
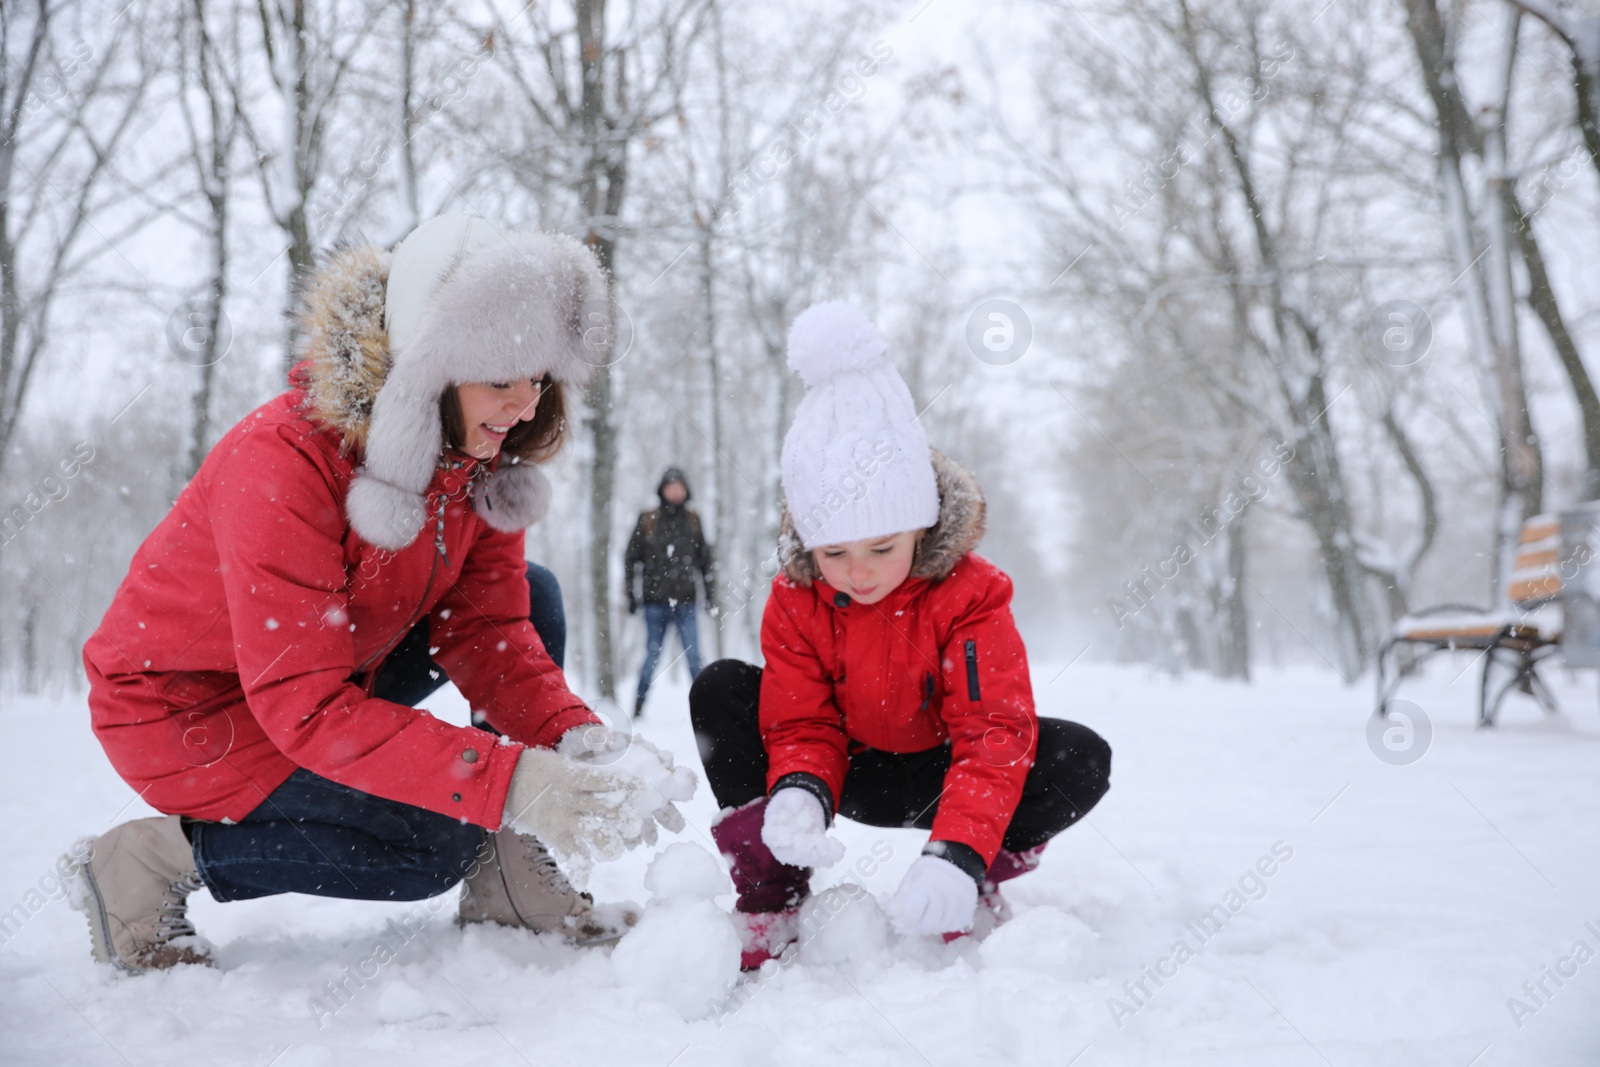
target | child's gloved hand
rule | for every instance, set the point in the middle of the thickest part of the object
(935, 897)
(795, 829)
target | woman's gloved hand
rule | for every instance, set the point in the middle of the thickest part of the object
(795, 828)
(665, 782)
(935, 897)
(582, 812)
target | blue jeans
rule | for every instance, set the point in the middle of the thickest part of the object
(657, 616)
(315, 836)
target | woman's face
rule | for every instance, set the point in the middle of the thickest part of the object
(490, 409)
(868, 570)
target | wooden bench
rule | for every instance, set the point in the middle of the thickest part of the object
(1521, 636)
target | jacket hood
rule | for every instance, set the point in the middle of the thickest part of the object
(668, 476)
(959, 529)
(347, 347)
(525, 309)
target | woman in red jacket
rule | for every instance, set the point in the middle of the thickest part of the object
(896, 687)
(340, 552)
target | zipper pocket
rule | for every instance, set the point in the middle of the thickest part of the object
(928, 687)
(972, 671)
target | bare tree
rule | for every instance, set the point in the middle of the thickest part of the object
(1481, 254)
(311, 53)
(209, 60)
(586, 90)
(70, 92)
(1234, 232)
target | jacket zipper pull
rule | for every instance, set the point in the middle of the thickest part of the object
(438, 536)
(972, 671)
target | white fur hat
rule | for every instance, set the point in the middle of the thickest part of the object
(469, 303)
(856, 462)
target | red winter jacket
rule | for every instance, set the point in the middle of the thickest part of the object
(246, 638)
(938, 660)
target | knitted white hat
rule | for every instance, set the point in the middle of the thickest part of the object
(468, 303)
(856, 463)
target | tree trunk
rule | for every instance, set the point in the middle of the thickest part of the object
(212, 160)
(408, 119)
(1522, 475)
(1235, 659)
(1298, 362)
(708, 323)
(296, 222)
(603, 182)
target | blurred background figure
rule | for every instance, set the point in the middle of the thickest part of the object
(665, 554)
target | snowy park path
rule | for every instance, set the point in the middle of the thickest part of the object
(1332, 909)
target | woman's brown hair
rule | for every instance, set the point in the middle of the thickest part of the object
(533, 441)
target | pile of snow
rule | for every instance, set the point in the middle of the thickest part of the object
(843, 923)
(1430, 912)
(684, 951)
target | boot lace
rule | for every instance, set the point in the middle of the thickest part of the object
(173, 918)
(545, 866)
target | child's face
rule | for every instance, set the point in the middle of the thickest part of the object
(868, 570)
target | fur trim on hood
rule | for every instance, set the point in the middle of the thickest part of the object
(958, 531)
(528, 307)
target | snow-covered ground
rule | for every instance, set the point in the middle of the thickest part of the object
(1405, 909)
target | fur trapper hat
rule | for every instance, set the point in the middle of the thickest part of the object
(466, 302)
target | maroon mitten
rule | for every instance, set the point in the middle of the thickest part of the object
(765, 886)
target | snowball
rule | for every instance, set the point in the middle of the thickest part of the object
(796, 817)
(840, 924)
(834, 338)
(685, 872)
(662, 784)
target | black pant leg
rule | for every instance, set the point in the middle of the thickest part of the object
(725, 709)
(1070, 774)
(894, 788)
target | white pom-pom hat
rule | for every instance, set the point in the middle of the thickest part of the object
(467, 302)
(856, 463)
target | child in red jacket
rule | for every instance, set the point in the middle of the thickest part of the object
(896, 687)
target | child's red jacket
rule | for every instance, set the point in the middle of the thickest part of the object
(937, 661)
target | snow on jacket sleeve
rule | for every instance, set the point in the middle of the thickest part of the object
(279, 529)
(493, 654)
(802, 728)
(988, 710)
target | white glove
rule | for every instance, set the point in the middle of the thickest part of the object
(935, 897)
(599, 745)
(795, 829)
(582, 813)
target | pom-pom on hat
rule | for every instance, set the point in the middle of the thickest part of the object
(856, 463)
(467, 302)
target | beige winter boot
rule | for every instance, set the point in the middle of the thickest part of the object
(516, 882)
(135, 890)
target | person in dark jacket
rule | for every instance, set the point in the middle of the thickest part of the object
(666, 553)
